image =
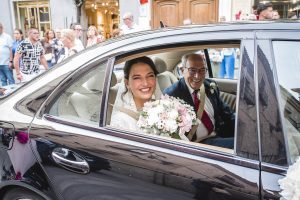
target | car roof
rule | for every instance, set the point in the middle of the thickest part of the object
(135, 40)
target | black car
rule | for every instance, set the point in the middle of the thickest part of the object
(57, 141)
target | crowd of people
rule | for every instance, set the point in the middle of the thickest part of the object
(26, 55)
(22, 57)
(262, 11)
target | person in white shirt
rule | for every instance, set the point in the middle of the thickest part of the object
(6, 43)
(78, 33)
(129, 25)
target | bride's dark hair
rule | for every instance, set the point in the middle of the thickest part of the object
(130, 63)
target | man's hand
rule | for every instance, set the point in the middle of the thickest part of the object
(19, 76)
(44, 62)
(10, 65)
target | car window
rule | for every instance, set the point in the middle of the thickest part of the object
(287, 57)
(225, 62)
(165, 63)
(81, 100)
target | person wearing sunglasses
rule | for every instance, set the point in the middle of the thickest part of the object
(77, 28)
(215, 119)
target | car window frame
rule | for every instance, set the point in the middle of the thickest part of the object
(160, 140)
(270, 36)
(44, 111)
(268, 169)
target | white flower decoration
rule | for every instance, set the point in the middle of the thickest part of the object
(290, 184)
(212, 87)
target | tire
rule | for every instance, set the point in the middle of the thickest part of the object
(21, 194)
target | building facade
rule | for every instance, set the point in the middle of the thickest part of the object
(107, 14)
(42, 14)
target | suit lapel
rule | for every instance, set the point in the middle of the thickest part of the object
(212, 97)
(185, 93)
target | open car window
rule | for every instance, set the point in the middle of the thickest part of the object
(166, 62)
(224, 62)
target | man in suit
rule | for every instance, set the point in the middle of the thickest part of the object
(217, 120)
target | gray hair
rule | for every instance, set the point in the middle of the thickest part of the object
(185, 58)
(69, 33)
(128, 15)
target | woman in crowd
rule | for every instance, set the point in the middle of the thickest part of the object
(52, 47)
(93, 36)
(140, 85)
(18, 35)
(68, 39)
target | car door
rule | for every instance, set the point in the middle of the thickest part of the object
(277, 75)
(85, 159)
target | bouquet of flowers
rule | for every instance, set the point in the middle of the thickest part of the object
(290, 184)
(169, 116)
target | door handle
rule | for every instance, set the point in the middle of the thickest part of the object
(70, 160)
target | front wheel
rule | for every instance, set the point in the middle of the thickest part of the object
(21, 194)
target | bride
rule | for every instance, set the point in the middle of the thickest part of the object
(140, 87)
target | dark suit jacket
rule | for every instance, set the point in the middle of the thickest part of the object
(224, 116)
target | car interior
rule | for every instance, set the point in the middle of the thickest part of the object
(168, 64)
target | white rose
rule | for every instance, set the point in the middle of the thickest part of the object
(173, 114)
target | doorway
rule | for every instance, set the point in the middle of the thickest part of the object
(33, 14)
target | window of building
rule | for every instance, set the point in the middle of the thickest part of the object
(33, 14)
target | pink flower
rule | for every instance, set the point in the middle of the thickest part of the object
(185, 125)
(182, 110)
(18, 176)
(22, 137)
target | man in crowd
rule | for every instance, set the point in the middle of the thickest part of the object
(276, 15)
(216, 119)
(32, 54)
(6, 43)
(78, 33)
(264, 11)
(129, 25)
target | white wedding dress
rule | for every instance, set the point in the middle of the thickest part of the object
(121, 119)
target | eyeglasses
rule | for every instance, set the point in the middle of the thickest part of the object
(194, 71)
(78, 29)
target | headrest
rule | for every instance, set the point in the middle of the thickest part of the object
(94, 82)
(160, 64)
(113, 80)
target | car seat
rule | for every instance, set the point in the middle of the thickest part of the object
(165, 78)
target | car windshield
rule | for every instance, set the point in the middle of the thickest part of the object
(287, 57)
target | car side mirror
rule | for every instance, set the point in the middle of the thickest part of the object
(7, 135)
